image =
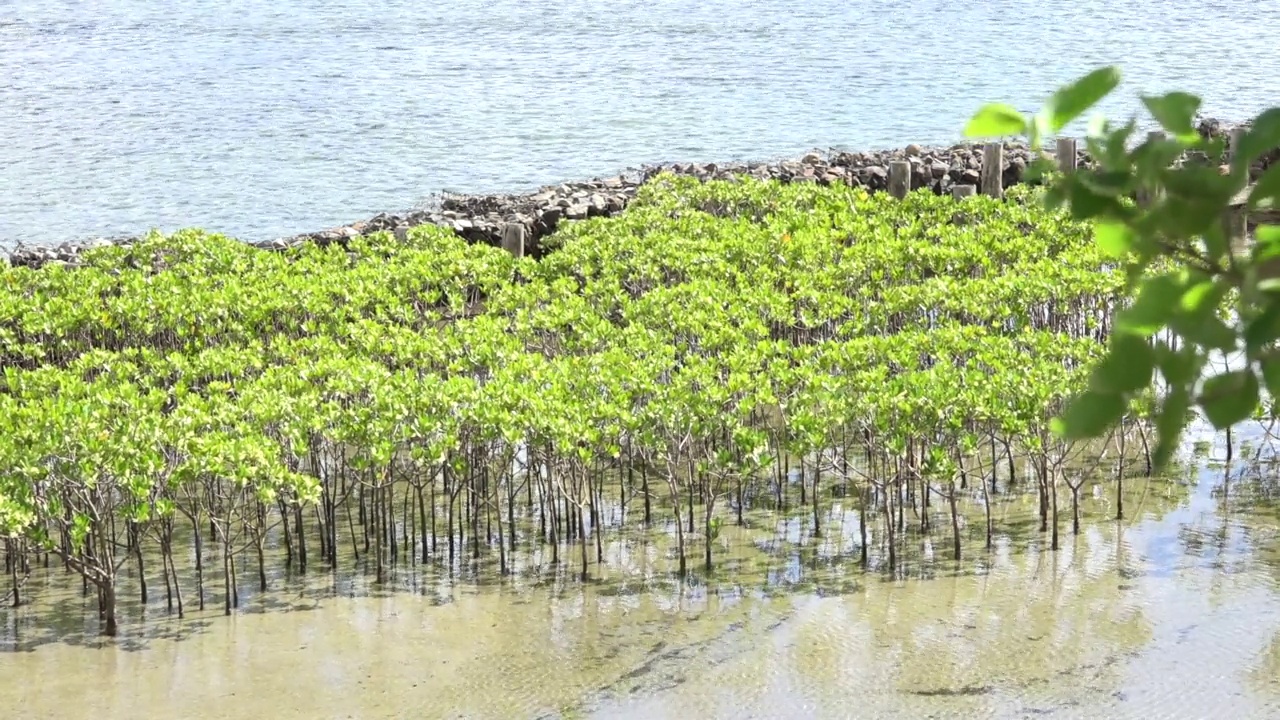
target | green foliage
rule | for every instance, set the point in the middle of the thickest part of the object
(1193, 288)
(711, 326)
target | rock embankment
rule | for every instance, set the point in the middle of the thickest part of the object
(482, 218)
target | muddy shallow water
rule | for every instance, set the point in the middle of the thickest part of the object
(1173, 612)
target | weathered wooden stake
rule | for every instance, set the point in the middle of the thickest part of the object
(960, 192)
(1237, 134)
(899, 178)
(992, 176)
(1067, 154)
(513, 239)
(1236, 219)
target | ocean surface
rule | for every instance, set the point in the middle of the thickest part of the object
(261, 119)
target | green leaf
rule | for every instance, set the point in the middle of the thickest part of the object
(995, 120)
(1097, 125)
(1075, 99)
(1115, 239)
(1175, 112)
(1169, 426)
(1126, 368)
(1194, 182)
(1267, 234)
(1202, 297)
(1156, 304)
(1090, 197)
(1039, 168)
(1263, 329)
(1229, 397)
(1266, 192)
(1178, 368)
(1271, 374)
(1116, 152)
(1207, 330)
(1263, 137)
(1088, 415)
(1111, 183)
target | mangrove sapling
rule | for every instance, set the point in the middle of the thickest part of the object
(108, 470)
(190, 506)
(163, 529)
(671, 455)
(135, 544)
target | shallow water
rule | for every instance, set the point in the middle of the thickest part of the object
(261, 119)
(1173, 612)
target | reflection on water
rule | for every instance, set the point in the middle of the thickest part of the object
(1173, 612)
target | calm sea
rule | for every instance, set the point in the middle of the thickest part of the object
(264, 118)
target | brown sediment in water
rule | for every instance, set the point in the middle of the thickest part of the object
(1022, 632)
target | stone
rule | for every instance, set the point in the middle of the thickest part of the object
(913, 150)
(811, 159)
(970, 177)
(576, 212)
(938, 169)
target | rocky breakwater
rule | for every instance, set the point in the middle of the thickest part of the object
(482, 218)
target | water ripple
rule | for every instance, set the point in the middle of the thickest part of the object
(263, 119)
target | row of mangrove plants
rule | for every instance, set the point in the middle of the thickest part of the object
(197, 400)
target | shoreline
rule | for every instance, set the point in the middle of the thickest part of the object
(481, 218)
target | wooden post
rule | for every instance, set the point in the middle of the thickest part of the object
(899, 178)
(1236, 135)
(992, 176)
(1067, 154)
(1235, 223)
(960, 192)
(513, 238)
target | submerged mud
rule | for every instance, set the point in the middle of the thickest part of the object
(1173, 611)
